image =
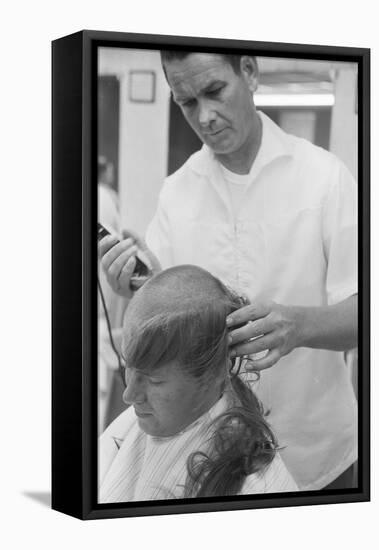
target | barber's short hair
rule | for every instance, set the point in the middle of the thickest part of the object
(233, 60)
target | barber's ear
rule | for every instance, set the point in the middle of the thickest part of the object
(249, 70)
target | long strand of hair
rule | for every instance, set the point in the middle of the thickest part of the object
(242, 444)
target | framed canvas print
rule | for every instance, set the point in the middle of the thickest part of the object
(210, 275)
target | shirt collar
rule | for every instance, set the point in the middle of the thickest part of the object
(275, 144)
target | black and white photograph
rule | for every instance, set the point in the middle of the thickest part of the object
(227, 275)
(189, 213)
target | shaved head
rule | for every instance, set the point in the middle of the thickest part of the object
(179, 315)
(178, 289)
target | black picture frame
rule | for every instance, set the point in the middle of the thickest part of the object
(74, 332)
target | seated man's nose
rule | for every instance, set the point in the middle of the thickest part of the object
(133, 392)
(129, 395)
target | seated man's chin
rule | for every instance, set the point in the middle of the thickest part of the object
(146, 424)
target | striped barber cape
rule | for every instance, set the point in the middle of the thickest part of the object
(134, 466)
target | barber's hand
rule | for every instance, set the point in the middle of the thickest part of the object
(118, 260)
(274, 327)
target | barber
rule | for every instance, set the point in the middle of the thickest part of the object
(274, 217)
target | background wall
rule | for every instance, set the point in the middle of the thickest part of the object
(143, 135)
(344, 128)
(27, 31)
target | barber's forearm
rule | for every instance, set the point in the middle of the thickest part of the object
(331, 327)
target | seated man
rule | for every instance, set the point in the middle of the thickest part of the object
(195, 428)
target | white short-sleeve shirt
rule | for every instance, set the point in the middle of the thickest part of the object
(293, 240)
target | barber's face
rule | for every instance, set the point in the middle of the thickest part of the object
(216, 102)
(165, 400)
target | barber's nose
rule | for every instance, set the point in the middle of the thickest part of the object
(134, 391)
(206, 114)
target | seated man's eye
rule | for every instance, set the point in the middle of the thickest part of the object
(155, 380)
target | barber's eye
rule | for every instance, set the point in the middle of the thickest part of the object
(215, 92)
(189, 103)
